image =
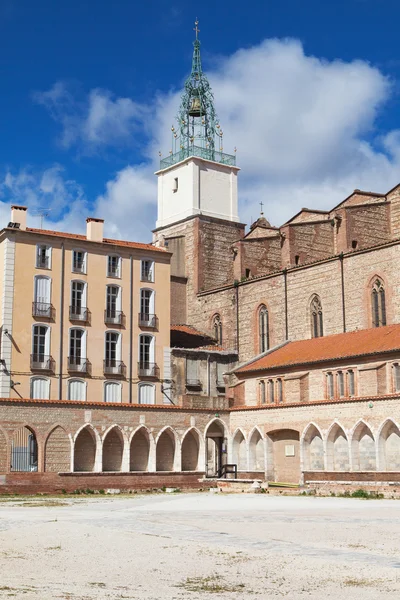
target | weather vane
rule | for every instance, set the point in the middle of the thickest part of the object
(196, 29)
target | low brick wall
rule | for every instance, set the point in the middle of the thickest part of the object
(36, 483)
(364, 476)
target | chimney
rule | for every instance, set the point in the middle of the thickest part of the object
(18, 215)
(94, 229)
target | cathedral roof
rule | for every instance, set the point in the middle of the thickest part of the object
(261, 222)
(365, 342)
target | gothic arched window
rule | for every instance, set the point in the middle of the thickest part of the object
(378, 304)
(217, 328)
(263, 329)
(317, 329)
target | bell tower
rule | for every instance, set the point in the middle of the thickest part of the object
(198, 177)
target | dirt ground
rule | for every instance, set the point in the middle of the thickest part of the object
(199, 546)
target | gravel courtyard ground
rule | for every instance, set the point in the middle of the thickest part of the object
(192, 546)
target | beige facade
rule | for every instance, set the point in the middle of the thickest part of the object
(57, 286)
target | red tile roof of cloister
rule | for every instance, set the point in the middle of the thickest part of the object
(365, 342)
(77, 236)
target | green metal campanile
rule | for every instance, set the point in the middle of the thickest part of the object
(198, 132)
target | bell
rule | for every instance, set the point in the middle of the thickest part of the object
(195, 107)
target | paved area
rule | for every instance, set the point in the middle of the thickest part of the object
(199, 546)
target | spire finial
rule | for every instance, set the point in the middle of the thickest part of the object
(196, 29)
(261, 211)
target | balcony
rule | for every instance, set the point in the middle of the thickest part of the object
(114, 317)
(42, 362)
(194, 384)
(78, 364)
(148, 369)
(42, 262)
(206, 153)
(78, 313)
(114, 367)
(43, 310)
(148, 320)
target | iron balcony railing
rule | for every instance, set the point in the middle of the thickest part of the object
(114, 367)
(78, 364)
(78, 267)
(78, 313)
(148, 320)
(148, 369)
(42, 262)
(146, 276)
(44, 310)
(42, 362)
(115, 317)
(206, 153)
(113, 271)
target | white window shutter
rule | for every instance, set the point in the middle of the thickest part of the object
(112, 391)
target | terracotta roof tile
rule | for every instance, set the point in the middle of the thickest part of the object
(333, 347)
(77, 236)
(189, 330)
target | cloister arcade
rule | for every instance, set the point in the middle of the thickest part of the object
(279, 455)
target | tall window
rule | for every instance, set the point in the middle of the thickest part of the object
(192, 372)
(263, 329)
(40, 388)
(330, 386)
(41, 343)
(317, 329)
(262, 392)
(340, 378)
(351, 385)
(147, 270)
(378, 304)
(146, 353)
(78, 261)
(217, 328)
(77, 350)
(112, 391)
(43, 256)
(114, 266)
(76, 390)
(279, 390)
(221, 369)
(113, 301)
(112, 349)
(42, 301)
(146, 393)
(147, 317)
(78, 309)
(271, 391)
(396, 377)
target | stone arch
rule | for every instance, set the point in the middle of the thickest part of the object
(140, 449)
(24, 450)
(283, 455)
(312, 445)
(85, 445)
(57, 451)
(216, 439)
(165, 449)
(239, 450)
(256, 451)
(389, 446)
(337, 449)
(191, 446)
(363, 448)
(3, 451)
(113, 449)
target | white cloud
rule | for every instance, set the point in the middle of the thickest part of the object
(94, 121)
(305, 129)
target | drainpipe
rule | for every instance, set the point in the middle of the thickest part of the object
(286, 304)
(343, 299)
(237, 319)
(130, 329)
(208, 376)
(61, 350)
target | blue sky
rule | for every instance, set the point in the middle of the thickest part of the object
(308, 91)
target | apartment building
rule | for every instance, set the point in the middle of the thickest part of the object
(82, 317)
